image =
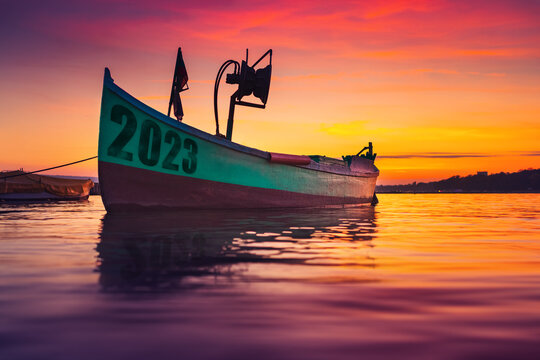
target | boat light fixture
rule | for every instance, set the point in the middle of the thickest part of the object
(250, 82)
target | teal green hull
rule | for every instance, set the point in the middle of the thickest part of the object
(137, 139)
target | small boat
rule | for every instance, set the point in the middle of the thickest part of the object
(147, 159)
(21, 186)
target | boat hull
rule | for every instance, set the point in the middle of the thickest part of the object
(148, 160)
(127, 188)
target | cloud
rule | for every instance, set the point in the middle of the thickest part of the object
(390, 29)
(449, 155)
(534, 153)
(435, 156)
(449, 72)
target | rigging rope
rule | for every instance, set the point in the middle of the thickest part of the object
(54, 167)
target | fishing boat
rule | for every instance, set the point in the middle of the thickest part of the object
(22, 186)
(148, 160)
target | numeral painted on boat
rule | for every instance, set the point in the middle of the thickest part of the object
(171, 137)
(118, 113)
(150, 139)
(149, 145)
(190, 165)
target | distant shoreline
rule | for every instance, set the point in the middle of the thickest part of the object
(521, 182)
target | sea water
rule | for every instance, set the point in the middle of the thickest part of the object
(440, 276)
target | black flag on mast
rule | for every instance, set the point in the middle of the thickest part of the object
(180, 80)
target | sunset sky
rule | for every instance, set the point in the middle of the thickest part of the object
(441, 88)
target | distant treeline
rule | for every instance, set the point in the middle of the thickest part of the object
(522, 181)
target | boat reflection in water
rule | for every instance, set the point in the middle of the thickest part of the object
(160, 252)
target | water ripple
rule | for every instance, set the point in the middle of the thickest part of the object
(441, 276)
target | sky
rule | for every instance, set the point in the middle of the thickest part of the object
(441, 88)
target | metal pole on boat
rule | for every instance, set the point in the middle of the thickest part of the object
(230, 121)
